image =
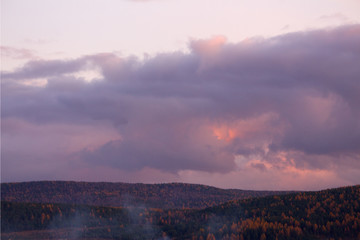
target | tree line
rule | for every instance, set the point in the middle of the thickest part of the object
(329, 214)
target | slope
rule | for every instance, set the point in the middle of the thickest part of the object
(172, 195)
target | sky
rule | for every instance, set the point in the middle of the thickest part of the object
(261, 95)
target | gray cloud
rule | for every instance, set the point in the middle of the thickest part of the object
(296, 92)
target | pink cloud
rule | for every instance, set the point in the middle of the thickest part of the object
(263, 112)
(273, 179)
(17, 53)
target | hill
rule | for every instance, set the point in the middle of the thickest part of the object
(328, 214)
(172, 195)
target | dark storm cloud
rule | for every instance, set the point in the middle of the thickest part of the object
(296, 92)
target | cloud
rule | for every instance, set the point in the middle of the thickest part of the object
(293, 98)
(335, 16)
(44, 68)
(16, 53)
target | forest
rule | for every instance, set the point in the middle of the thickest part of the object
(171, 195)
(327, 214)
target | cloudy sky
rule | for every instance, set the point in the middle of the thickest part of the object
(244, 94)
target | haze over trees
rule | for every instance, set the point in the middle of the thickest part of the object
(328, 214)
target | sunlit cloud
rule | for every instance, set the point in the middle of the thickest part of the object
(285, 107)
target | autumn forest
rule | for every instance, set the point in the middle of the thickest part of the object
(78, 210)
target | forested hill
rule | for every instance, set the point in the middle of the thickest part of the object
(172, 195)
(327, 214)
(330, 214)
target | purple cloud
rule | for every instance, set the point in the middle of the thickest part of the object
(44, 68)
(297, 93)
